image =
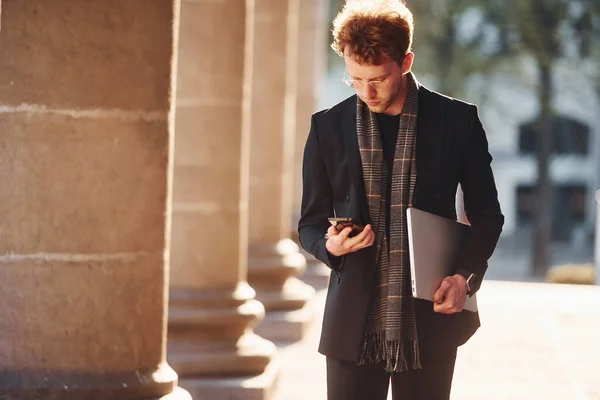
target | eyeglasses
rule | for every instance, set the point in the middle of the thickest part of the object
(376, 84)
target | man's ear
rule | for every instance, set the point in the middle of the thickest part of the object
(407, 63)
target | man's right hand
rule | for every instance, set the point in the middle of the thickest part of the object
(338, 243)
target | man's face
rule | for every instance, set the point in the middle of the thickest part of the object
(379, 86)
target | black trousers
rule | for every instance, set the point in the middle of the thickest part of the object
(348, 381)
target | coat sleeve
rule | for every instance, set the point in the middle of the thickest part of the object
(480, 202)
(317, 202)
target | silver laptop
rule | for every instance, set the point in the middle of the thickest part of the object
(434, 243)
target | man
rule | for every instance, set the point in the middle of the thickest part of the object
(393, 145)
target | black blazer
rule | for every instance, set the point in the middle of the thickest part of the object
(451, 148)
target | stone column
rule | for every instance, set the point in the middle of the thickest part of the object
(85, 152)
(311, 64)
(312, 59)
(274, 259)
(213, 309)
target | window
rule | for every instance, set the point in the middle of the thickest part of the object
(570, 137)
(569, 208)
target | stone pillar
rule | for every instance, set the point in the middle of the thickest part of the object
(274, 259)
(213, 309)
(312, 59)
(311, 63)
(85, 180)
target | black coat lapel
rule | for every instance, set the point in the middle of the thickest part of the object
(353, 157)
(431, 138)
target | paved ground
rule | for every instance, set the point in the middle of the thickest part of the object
(537, 341)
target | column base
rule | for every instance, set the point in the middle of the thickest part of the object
(317, 274)
(258, 387)
(272, 270)
(289, 296)
(149, 384)
(177, 394)
(210, 333)
(287, 326)
(251, 356)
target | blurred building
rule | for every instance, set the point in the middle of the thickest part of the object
(509, 108)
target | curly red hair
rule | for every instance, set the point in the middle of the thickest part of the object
(368, 30)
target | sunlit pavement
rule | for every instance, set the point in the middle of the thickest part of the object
(537, 341)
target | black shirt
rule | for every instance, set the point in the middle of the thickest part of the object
(388, 128)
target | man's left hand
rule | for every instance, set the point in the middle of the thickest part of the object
(450, 297)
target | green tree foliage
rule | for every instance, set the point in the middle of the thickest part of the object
(448, 43)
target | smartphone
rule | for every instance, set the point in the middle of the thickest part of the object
(341, 223)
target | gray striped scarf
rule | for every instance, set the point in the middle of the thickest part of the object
(391, 328)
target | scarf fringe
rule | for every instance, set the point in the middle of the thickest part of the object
(395, 353)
